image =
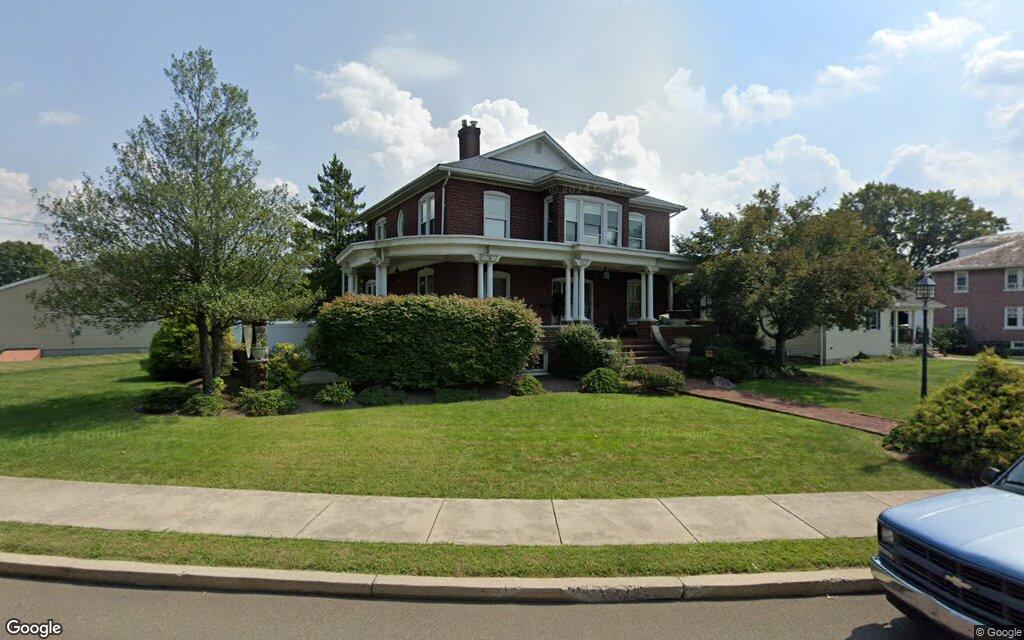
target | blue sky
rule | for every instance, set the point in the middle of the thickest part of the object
(701, 103)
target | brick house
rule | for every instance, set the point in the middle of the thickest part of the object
(983, 287)
(526, 221)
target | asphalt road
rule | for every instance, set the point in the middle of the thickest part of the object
(111, 612)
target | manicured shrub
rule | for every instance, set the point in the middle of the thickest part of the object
(525, 384)
(618, 359)
(338, 394)
(286, 365)
(952, 338)
(580, 349)
(203, 405)
(698, 367)
(265, 402)
(657, 379)
(971, 424)
(425, 342)
(380, 396)
(602, 380)
(454, 394)
(174, 351)
(168, 399)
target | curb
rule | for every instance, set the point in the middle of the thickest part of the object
(566, 590)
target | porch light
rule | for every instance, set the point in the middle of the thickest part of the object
(924, 291)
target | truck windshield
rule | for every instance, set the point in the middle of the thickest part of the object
(1016, 475)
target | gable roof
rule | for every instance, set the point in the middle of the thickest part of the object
(993, 239)
(11, 285)
(489, 167)
(1007, 254)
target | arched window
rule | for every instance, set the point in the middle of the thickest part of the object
(496, 208)
(401, 224)
(426, 214)
(380, 230)
(425, 282)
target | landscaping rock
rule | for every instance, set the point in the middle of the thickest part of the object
(319, 376)
(722, 383)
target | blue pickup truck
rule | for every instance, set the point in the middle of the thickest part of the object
(958, 559)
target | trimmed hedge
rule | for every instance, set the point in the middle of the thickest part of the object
(381, 396)
(425, 342)
(580, 349)
(525, 384)
(174, 351)
(267, 402)
(657, 379)
(602, 380)
(971, 424)
(202, 405)
(286, 365)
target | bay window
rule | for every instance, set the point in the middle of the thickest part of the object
(592, 221)
(496, 207)
(572, 212)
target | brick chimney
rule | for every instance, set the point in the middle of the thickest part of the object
(469, 140)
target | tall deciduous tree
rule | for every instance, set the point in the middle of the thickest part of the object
(791, 267)
(177, 226)
(923, 227)
(330, 225)
(20, 260)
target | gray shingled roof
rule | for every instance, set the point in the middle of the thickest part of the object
(655, 202)
(995, 238)
(1008, 254)
(507, 169)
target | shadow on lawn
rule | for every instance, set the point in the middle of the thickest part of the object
(818, 389)
(54, 416)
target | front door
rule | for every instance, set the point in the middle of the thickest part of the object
(633, 300)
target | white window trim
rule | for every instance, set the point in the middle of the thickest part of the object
(1017, 344)
(872, 325)
(419, 214)
(508, 212)
(643, 234)
(423, 273)
(1020, 279)
(370, 287)
(503, 275)
(967, 315)
(1020, 318)
(967, 282)
(606, 207)
(548, 214)
(380, 229)
(400, 224)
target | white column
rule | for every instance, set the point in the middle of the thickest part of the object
(568, 314)
(581, 290)
(490, 278)
(649, 277)
(383, 279)
(671, 300)
(913, 324)
(643, 295)
(480, 287)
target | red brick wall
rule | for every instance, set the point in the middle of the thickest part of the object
(984, 300)
(657, 229)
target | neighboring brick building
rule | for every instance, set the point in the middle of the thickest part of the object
(525, 221)
(983, 287)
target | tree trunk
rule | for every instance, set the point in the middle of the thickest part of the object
(204, 353)
(780, 348)
(217, 348)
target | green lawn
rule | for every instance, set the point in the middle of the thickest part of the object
(72, 418)
(881, 387)
(436, 559)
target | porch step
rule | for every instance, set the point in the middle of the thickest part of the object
(645, 352)
(665, 360)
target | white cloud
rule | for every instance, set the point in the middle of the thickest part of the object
(682, 103)
(276, 181)
(12, 89)
(611, 147)
(850, 80)
(991, 177)
(404, 62)
(938, 34)
(1009, 119)
(757, 103)
(998, 72)
(16, 202)
(59, 118)
(798, 167)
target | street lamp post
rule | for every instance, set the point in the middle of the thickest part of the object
(924, 291)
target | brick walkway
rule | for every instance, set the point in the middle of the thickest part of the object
(320, 516)
(871, 424)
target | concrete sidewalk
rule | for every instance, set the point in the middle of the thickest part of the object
(276, 514)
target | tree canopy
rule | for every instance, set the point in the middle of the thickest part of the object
(177, 226)
(786, 268)
(20, 260)
(923, 227)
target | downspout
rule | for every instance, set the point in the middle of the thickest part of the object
(443, 185)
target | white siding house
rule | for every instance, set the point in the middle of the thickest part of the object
(19, 328)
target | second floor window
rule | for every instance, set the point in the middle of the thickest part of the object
(637, 231)
(960, 282)
(401, 224)
(549, 219)
(426, 214)
(592, 221)
(1012, 279)
(380, 230)
(496, 206)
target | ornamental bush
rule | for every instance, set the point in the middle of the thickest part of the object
(425, 342)
(971, 424)
(168, 399)
(286, 365)
(338, 394)
(174, 351)
(657, 379)
(580, 349)
(602, 380)
(202, 405)
(266, 402)
(525, 384)
(952, 338)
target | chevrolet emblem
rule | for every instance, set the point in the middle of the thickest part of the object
(957, 582)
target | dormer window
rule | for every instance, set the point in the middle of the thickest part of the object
(426, 214)
(496, 208)
(380, 230)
